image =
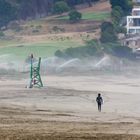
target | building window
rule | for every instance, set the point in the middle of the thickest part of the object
(131, 31)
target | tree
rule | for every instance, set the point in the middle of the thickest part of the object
(60, 7)
(108, 33)
(75, 16)
(34, 8)
(24, 9)
(27, 9)
(89, 3)
(7, 13)
(59, 53)
(126, 5)
(116, 15)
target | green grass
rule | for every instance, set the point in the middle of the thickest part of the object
(4, 43)
(96, 16)
(44, 49)
(91, 16)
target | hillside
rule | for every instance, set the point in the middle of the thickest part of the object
(85, 86)
(42, 36)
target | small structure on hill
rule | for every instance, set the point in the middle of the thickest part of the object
(132, 39)
(133, 22)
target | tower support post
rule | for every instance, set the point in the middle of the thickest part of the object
(35, 78)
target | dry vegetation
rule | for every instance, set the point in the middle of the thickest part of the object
(51, 27)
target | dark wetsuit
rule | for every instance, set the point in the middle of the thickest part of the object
(99, 101)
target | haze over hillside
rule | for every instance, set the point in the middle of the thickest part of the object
(93, 34)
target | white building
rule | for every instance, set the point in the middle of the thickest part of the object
(136, 1)
(133, 22)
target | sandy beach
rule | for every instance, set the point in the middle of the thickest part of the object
(65, 108)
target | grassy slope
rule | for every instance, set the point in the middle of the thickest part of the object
(91, 16)
(46, 47)
(43, 49)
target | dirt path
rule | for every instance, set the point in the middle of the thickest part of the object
(66, 109)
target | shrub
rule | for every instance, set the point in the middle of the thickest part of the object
(108, 37)
(93, 48)
(126, 5)
(38, 26)
(60, 7)
(59, 53)
(31, 25)
(122, 51)
(118, 50)
(58, 29)
(2, 34)
(35, 31)
(75, 16)
(116, 17)
(108, 33)
(90, 49)
(120, 29)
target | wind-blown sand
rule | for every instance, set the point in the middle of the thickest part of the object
(66, 108)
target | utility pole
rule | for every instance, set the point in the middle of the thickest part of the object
(35, 78)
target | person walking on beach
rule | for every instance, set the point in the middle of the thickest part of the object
(99, 101)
